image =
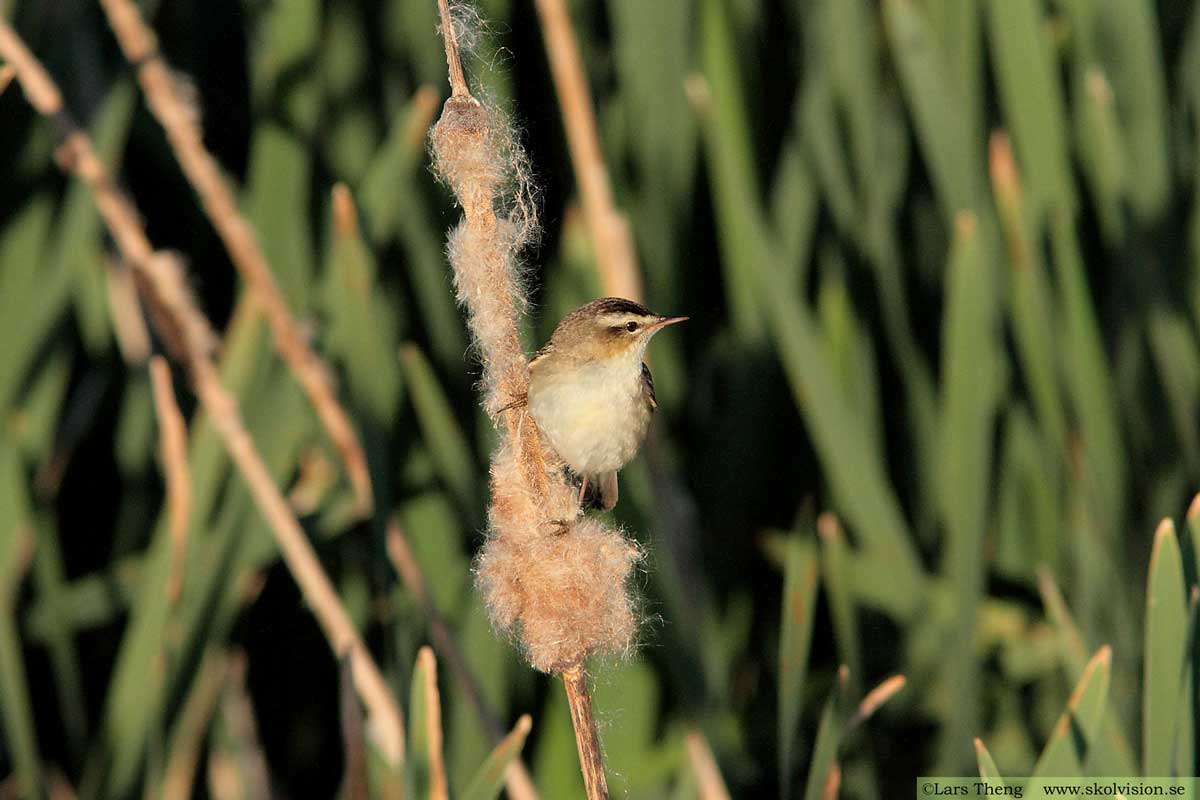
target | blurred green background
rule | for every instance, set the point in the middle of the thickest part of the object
(978, 349)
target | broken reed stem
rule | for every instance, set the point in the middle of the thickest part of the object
(192, 340)
(709, 783)
(874, 699)
(587, 742)
(517, 780)
(173, 452)
(179, 121)
(458, 80)
(355, 767)
(612, 242)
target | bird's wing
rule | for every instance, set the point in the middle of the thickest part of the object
(606, 490)
(648, 385)
(542, 353)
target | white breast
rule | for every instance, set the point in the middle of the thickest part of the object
(594, 415)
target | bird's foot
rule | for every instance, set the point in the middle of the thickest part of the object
(523, 400)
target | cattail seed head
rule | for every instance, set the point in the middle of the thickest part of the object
(465, 152)
(563, 595)
(551, 577)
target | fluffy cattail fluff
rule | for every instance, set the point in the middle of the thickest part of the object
(552, 577)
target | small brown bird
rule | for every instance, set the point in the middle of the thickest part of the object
(590, 392)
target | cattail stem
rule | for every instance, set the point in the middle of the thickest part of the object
(548, 572)
(458, 81)
(587, 740)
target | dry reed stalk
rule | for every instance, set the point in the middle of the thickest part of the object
(587, 740)
(709, 783)
(355, 768)
(612, 241)
(178, 118)
(517, 780)
(173, 454)
(549, 575)
(874, 699)
(345, 214)
(133, 340)
(191, 340)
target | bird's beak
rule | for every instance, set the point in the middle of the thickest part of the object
(664, 322)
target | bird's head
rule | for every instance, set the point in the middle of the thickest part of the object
(610, 327)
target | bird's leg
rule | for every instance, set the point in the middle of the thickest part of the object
(583, 490)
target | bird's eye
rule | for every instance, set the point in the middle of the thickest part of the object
(631, 326)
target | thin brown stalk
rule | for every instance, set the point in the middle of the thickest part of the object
(183, 132)
(194, 719)
(355, 778)
(173, 453)
(874, 699)
(7, 73)
(616, 258)
(517, 780)
(180, 322)
(709, 783)
(345, 215)
(129, 327)
(587, 741)
(458, 80)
